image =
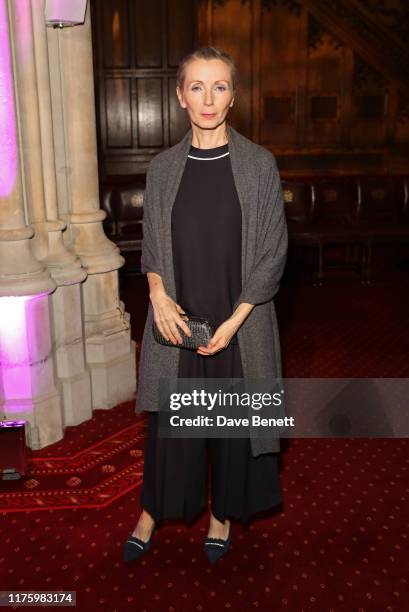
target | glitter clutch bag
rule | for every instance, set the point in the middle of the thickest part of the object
(201, 330)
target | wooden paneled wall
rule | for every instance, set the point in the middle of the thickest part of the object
(313, 85)
(138, 46)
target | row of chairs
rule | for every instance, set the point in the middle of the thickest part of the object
(355, 213)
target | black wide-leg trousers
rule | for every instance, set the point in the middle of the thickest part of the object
(175, 481)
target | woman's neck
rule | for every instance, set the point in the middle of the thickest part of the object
(209, 139)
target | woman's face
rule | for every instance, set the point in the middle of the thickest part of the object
(207, 92)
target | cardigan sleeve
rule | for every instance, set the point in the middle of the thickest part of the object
(272, 242)
(150, 259)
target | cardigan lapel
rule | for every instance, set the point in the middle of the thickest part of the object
(240, 168)
(240, 164)
(174, 178)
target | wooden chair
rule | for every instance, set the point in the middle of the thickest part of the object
(383, 205)
(297, 201)
(334, 217)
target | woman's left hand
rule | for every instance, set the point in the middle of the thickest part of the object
(221, 338)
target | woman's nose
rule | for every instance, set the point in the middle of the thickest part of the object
(208, 97)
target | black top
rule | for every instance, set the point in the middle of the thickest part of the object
(206, 236)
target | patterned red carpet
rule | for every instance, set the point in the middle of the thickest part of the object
(89, 477)
(339, 543)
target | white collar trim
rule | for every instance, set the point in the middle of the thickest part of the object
(209, 158)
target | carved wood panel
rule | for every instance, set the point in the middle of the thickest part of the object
(317, 88)
(308, 88)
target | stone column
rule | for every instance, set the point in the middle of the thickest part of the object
(110, 352)
(42, 208)
(27, 384)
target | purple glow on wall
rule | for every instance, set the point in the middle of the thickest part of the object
(22, 11)
(22, 349)
(8, 140)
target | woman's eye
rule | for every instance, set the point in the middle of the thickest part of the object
(220, 87)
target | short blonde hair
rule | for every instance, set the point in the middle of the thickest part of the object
(206, 53)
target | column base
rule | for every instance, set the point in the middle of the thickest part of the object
(76, 398)
(44, 417)
(114, 380)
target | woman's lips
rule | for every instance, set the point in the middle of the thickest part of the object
(208, 115)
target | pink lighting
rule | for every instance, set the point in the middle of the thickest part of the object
(68, 13)
(24, 350)
(8, 140)
(22, 11)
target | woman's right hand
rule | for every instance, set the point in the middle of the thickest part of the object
(167, 316)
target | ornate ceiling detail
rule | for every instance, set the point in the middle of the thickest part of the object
(316, 34)
(393, 14)
(355, 21)
(373, 42)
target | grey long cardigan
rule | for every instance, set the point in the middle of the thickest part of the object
(264, 252)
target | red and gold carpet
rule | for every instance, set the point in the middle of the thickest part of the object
(339, 543)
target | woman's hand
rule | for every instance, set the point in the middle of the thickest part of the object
(167, 316)
(225, 332)
(221, 338)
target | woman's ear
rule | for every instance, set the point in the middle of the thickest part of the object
(180, 97)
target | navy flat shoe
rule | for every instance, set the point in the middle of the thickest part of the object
(216, 547)
(135, 547)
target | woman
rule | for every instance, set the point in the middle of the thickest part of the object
(214, 245)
